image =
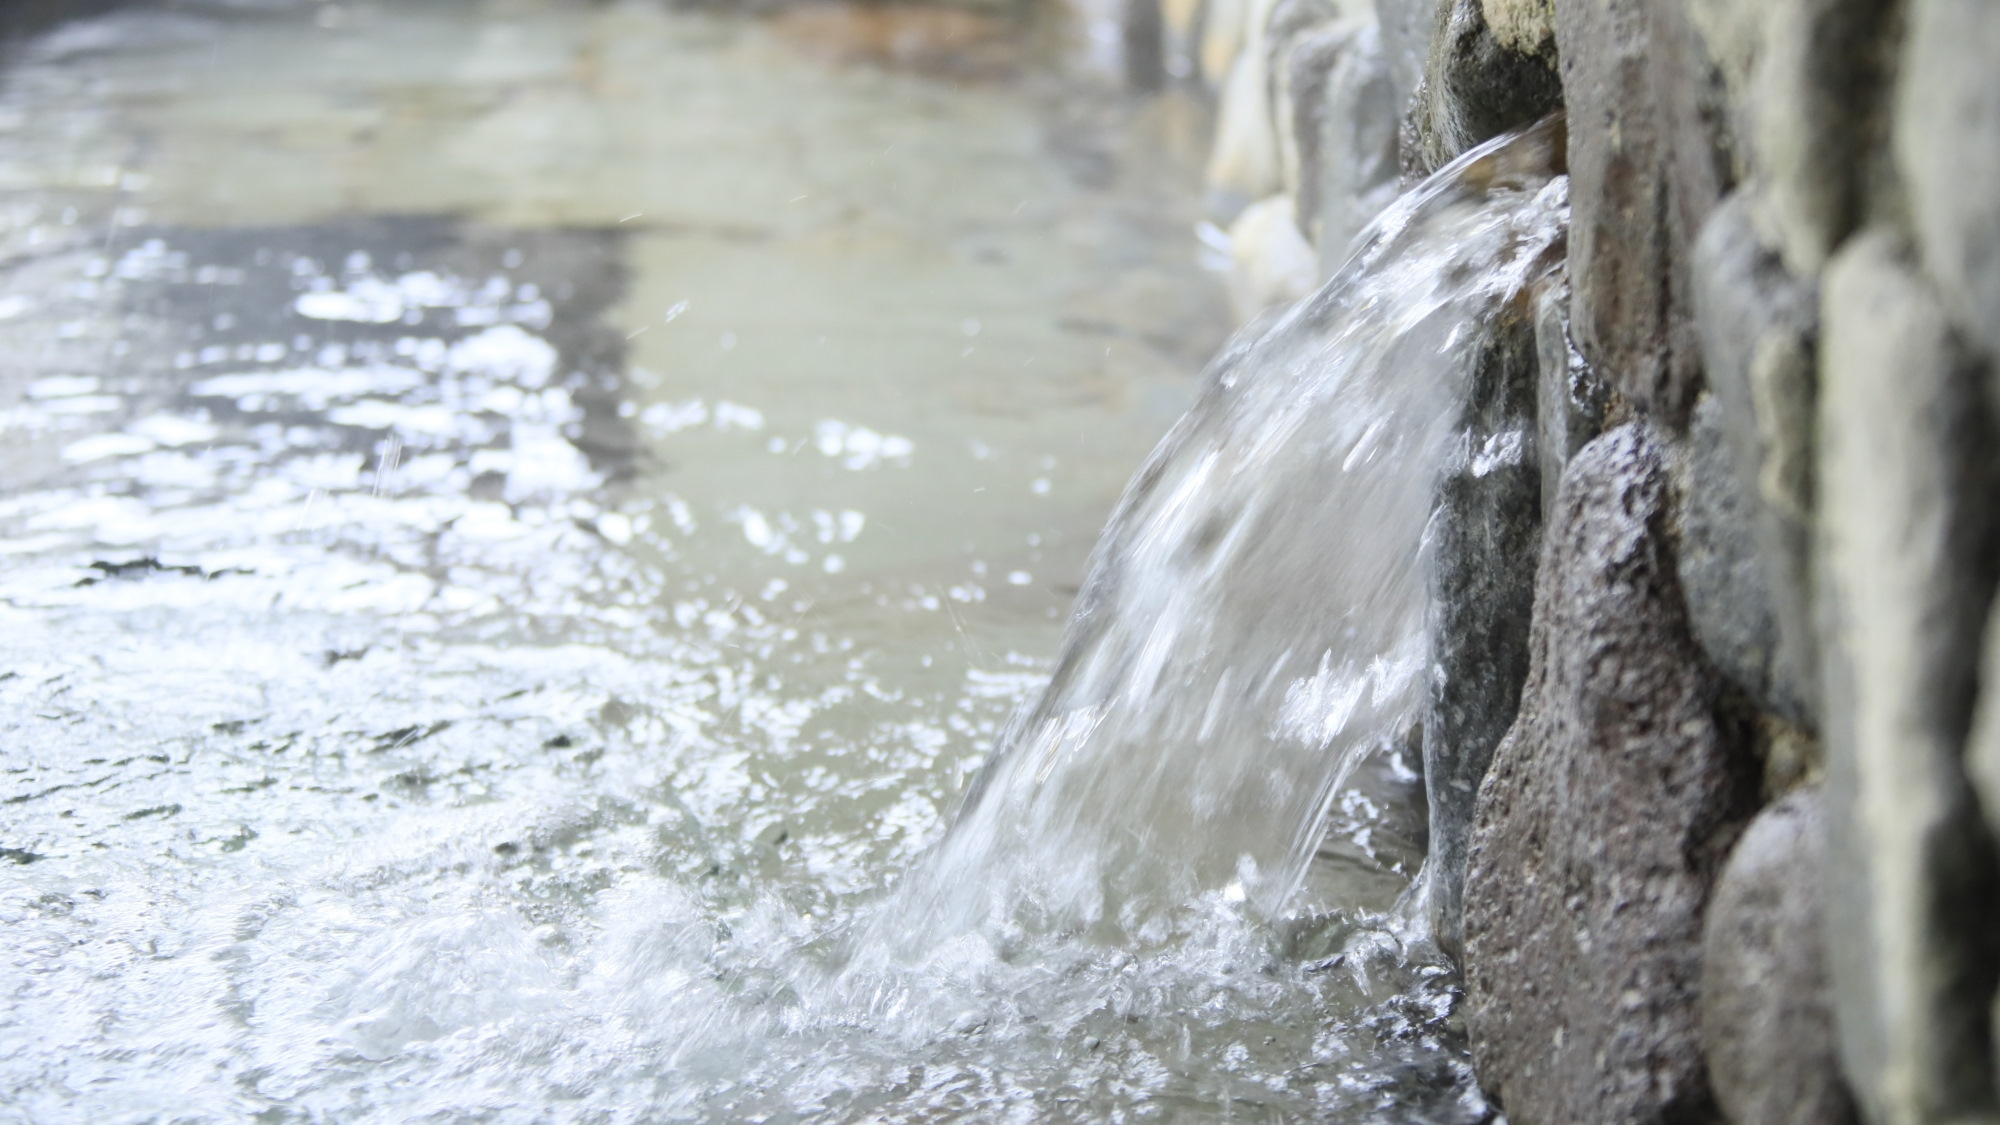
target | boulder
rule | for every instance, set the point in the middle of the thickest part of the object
(1906, 557)
(1766, 1012)
(1484, 541)
(1602, 821)
(1759, 332)
(1947, 146)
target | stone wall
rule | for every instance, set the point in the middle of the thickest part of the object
(1730, 649)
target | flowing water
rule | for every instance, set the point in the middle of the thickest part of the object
(519, 522)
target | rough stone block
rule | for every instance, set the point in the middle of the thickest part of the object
(1344, 119)
(1619, 245)
(1947, 145)
(1569, 398)
(1648, 158)
(1759, 332)
(1906, 556)
(1485, 540)
(1600, 826)
(1473, 89)
(1766, 1011)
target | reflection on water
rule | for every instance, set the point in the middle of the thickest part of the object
(518, 519)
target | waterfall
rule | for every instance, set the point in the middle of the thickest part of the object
(1253, 622)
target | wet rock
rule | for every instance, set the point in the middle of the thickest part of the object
(1599, 828)
(1474, 88)
(1947, 147)
(1906, 550)
(1345, 120)
(1759, 332)
(1569, 398)
(1766, 1012)
(1487, 532)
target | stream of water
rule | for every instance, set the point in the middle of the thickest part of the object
(521, 522)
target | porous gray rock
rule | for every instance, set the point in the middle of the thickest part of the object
(1485, 539)
(1344, 120)
(1947, 145)
(1906, 551)
(1759, 332)
(1569, 398)
(1473, 89)
(1766, 1011)
(1602, 821)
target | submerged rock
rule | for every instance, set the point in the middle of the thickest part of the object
(1604, 817)
(1766, 1011)
(1907, 557)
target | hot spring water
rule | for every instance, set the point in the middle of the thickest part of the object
(438, 778)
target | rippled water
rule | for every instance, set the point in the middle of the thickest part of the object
(519, 521)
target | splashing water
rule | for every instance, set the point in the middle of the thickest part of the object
(1135, 916)
(1253, 623)
(1251, 633)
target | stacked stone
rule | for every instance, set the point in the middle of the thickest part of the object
(1729, 639)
